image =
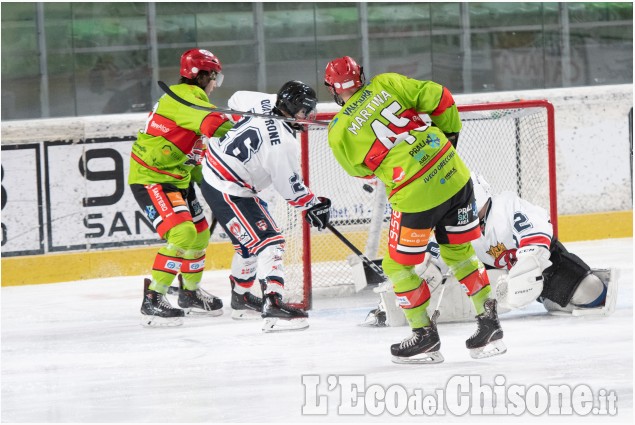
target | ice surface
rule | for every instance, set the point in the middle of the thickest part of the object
(75, 352)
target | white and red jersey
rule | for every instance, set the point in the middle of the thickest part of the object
(257, 153)
(511, 223)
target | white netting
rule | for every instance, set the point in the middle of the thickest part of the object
(508, 146)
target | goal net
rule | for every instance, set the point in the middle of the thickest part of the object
(510, 144)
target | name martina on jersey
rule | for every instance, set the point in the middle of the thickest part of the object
(462, 395)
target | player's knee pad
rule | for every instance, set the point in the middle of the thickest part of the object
(461, 259)
(402, 277)
(181, 237)
(201, 241)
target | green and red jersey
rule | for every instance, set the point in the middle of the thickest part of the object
(172, 131)
(379, 132)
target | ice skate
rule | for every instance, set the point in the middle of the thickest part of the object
(199, 301)
(422, 347)
(156, 310)
(487, 341)
(246, 306)
(280, 316)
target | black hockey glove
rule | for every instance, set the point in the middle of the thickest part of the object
(318, 215)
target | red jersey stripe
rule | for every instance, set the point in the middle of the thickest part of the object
(424, 170)
(535, 240)
(182, 138)
(155, 169)
(445, 102)
(211, 123)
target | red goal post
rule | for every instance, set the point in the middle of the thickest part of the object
(511, 143)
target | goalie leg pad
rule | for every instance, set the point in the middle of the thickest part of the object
(610, 279)
(394, 314)
(564, 276)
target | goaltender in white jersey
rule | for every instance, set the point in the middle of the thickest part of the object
(525, 263)
(259, 152)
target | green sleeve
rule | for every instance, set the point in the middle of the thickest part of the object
(223, 129)
(428, 97)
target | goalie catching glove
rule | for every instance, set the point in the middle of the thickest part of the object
(525, 281)
(318, 215)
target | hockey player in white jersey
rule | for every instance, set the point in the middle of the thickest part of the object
(525, 263)
(255, 154)
(518, 237)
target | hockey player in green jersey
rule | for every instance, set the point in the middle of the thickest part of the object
(379, 132)
(165, 162)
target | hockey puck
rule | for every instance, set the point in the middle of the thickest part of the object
(368, 188)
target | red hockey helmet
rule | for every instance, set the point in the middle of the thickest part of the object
(343, 74)
(195, 60)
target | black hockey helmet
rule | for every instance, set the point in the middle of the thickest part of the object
(295, 97)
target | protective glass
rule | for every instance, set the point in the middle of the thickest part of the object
(219, 77)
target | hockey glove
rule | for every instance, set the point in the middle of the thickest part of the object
(318, 215)
(525, 282)
(195, 157)
(453, 138)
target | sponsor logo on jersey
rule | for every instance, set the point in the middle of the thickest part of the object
(239, 231)
(262, 225)
(433, 141)
(448, 175)
(159, 126)
(438, 166)
(464, 215)
(402, 300)
(419, 154)
(503, 258)
(173, 265)
(196, 208)
(166, 149)
(176, 199)
(398, 174)
(155, 190)
(199, 265)
(151, 212)
(413, 237)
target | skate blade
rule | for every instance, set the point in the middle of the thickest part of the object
(158, 322)
(273, 324)
(246, 315)
(197, 312)
(431, 357)
(494, 348)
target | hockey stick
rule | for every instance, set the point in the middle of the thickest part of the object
(372, 265)
(185, 102)
(394, 315)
